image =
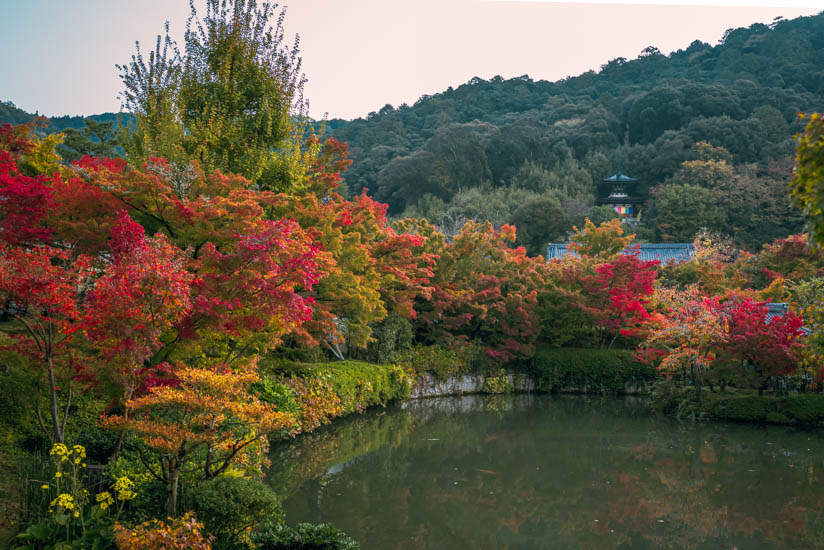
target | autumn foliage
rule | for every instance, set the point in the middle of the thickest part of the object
(158, 286)
(173, 534)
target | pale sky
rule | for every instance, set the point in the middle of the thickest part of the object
(57, 56)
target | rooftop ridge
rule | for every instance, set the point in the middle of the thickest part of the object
(663, 252)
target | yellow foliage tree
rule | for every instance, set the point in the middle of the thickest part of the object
(207, 422)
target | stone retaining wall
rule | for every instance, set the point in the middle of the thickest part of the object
(427, 385)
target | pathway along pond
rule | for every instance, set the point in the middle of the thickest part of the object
(540, 471)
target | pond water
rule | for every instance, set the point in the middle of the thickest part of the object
(540, 471)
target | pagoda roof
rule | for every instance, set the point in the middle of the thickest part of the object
(618, 200)
(618, 177)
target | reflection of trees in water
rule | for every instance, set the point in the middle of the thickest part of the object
(313, 455)
(507, 474)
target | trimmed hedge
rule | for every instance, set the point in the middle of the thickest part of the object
(358, 385)
(803, 408)
(750, 408)
(589, 370)
(303, 536)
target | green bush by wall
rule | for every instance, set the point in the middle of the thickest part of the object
(750, 408)
(359, 385)
(444, 362)
(801, 408)
(588, 370)
(304, 536)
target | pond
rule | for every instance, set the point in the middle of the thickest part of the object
(539, 471)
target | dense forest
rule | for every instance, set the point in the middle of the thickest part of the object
(708, 131)
(533, 153)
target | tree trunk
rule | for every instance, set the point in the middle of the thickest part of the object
(697, 381)
(207, 469)
(122, 435)
(174, 478)
(55, 413)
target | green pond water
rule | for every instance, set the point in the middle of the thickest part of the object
(540, 471)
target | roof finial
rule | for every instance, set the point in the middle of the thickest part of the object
(618, 162)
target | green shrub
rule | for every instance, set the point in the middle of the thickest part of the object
(304, 536)
(674, 399)
(360, 385)
(804, 408)
(444, 362)
(274, 391)
(589, 370)
(497, 382)
(776, 418)
(751, 408)
(392, 336)
(230, 506)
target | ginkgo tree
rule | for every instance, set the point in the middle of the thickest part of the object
(807, 187)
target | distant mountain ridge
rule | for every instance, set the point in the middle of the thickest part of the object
(10, 113)
(513, 150)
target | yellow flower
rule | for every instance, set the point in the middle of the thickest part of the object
(44, 486)
(104, 499)
(76, 514)
(124, 486)
(79, 450)
(59, 449)
(58, 474)
(64, 501)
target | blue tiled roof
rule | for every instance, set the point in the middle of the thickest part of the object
(618, 177)
(676, 252)
(778, 309)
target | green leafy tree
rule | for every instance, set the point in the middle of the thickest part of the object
(228, 100)
(807, 187)
(95, 139)
(540, 220)
(681, 210)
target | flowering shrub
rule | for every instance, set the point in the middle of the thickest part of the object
(71, 498)
(173, 534)
(74, 520)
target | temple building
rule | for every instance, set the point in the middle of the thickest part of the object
(621, 194)
(667, 252)
(620, 197)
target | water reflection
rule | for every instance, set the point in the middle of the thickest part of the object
(534, 472)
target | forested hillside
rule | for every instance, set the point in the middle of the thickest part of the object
(534, 152)
(708, 130)
(12, 114)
